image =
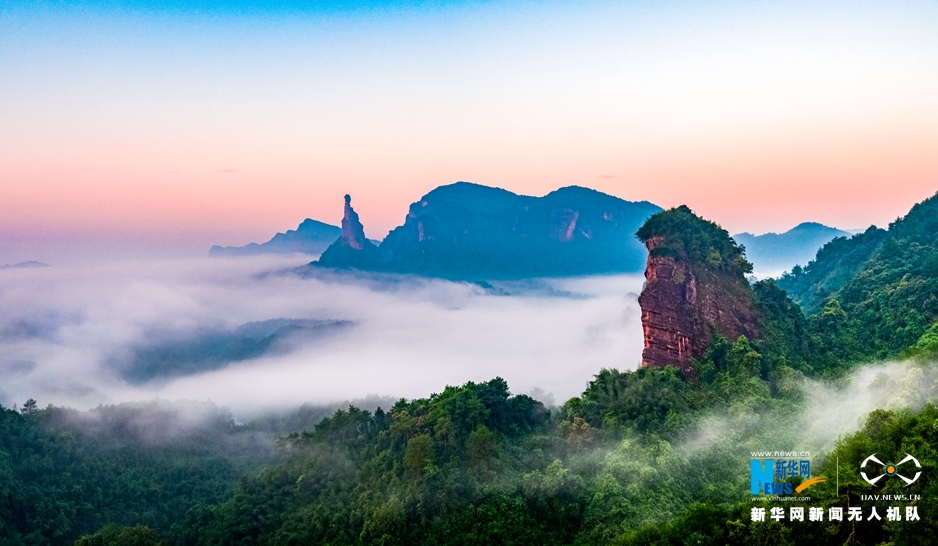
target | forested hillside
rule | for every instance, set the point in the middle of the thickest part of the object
(641, 457)
(65, 473)
(835, 264)
(875, 295)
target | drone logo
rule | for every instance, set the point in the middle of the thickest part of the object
(891, 469)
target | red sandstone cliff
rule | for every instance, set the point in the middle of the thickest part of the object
(695, 289)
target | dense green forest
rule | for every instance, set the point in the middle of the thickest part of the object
(876, 294)
(65, 473)
(647, 457)
(640, 458)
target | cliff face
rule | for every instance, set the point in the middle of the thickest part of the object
(695, 289)
(673, 328)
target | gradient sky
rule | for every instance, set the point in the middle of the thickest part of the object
(171, 126)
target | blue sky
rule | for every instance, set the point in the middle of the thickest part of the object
(186, 124)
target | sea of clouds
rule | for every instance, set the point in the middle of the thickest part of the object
(68, 333)
(72, 336)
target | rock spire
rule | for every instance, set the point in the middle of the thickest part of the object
(353, 233)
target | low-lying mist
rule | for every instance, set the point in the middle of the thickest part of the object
(265, 333)
(827, 411)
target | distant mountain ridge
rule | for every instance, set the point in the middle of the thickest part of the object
(782, 251)
(310, 237)
(25, 265)
(469, 231)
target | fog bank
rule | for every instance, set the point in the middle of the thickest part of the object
(827, 412)
(259, 333)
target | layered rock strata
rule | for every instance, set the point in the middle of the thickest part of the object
(695, 289)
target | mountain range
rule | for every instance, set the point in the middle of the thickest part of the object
(476, 464)
(470, 231)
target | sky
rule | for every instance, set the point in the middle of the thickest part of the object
(161, 128)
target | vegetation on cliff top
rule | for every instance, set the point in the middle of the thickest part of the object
(684, 235)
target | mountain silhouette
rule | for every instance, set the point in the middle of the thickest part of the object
(470, 231)
(782, 251)
(310, 237)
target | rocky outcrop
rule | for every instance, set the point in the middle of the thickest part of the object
(351, 249)
(472, 232)
(672, 327)
(353, 232)
(563, 224)
(695, 289)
